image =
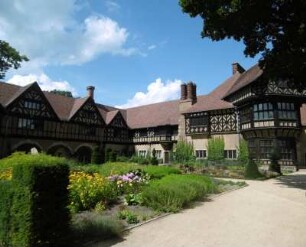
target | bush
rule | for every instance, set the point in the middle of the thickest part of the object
(130, 217)
(173, 192)
(87, 190)
(243, 152)
(39, 198)
(6, 195)
(251, 170)
(184, 152)
(96, 157)
(90, 225)
(215, 149)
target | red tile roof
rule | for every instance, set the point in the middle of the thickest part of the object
(158, 114)
(245, 79)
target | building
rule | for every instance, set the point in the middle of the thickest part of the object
(268, 115)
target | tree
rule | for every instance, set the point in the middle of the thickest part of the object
(62, 92)
(273, 28)
(9, 58)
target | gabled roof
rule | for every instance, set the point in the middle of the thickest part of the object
(245, 79)
(158, 114)
(10, 92)
(7, 91)
(78, 103)
(62, 105)
(225, 87)
(110, 116)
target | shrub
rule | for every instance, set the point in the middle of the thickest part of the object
(154, 160)
(243, 152)
(184, 152)
(96, 157)
(39, 198)
(129, 216)
(91, 225)
(251, 170)
(86, 190)
(133, 199)
(173, 192)
(215, 149)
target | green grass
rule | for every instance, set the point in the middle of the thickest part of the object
(173, 192)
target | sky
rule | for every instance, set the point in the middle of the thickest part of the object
(134, 52)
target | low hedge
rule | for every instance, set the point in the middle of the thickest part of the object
(173, 192)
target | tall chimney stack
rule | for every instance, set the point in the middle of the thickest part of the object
(90, 91)
(192, 92)
(183, 91)
(236, 67)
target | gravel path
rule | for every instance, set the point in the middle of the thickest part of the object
(265, 213)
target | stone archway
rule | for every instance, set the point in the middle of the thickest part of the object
(60, 151)
(83, 154)
(27, 147)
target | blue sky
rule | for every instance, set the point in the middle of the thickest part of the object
(133, 51)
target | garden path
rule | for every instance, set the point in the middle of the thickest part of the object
(269, 213)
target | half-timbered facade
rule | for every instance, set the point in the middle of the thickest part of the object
(269, 115)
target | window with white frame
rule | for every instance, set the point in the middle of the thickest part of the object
(142, 153)
(230, 154)
(158, 154)
(201, 154)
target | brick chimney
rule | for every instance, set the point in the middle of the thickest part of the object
(90, 91)
(183, 91)
(236, 67)
(192, 92)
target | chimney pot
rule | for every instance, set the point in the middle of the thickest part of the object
(90, 91)
(236, 67)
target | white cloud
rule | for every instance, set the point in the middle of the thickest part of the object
(157, 91)
(151, 47)
(112, 6)
(49, 31)
(45, 83)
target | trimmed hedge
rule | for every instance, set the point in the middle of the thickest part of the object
(38, 197)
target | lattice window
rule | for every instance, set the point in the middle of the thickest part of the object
(263, 111)
(286, 149)
(266, 148)
(286, 111)
(31, 124)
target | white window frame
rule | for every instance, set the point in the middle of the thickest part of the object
(202, 152)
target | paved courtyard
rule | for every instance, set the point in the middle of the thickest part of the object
(265, 213)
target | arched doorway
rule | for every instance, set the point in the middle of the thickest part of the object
(60, 151)
(83, 154)
(29, 148)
